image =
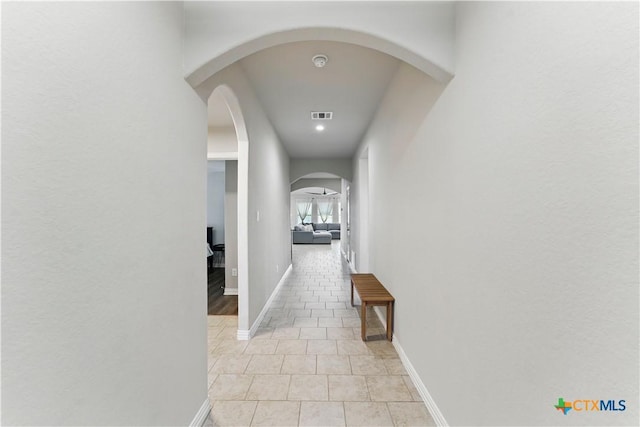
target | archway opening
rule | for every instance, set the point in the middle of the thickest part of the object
(208, 81)
(317, 210)
(227, 149)
(199, 75)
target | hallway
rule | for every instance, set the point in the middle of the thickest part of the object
(306, 365)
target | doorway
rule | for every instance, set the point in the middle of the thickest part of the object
(222, 237)
(228, 143)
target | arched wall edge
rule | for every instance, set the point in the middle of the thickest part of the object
(334, 184)
(224, 59)
(301, 168)
(243, 207)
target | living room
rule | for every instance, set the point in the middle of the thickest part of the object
(316, 209)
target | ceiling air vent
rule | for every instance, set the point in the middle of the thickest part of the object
(321, 115)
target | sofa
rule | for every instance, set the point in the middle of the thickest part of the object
(331, 227)
(315, 233)
(306, 234)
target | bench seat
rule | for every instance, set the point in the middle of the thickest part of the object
(372, 292)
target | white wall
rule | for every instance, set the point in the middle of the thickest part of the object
(514, 204)
(216, 199)
(270, 237)
(103, 264)
(337, 166)
(362, 220)
(331, 184)
(222, 140)
(231, 224)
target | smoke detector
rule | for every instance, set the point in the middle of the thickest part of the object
(320, 60)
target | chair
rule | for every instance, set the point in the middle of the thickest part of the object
(218, 255)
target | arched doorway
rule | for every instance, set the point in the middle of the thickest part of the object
(319, 198)
(231, 145)
(220, 69)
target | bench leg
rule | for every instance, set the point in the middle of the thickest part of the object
(352, 293)
(390, 320)
(363, 320)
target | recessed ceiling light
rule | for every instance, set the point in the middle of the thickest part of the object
(320, 60)
(320, 128)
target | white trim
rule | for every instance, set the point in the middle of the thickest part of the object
(351, 265)
(223, 155)
(433, 409)
(243, 335)
(242, 155)
(231, 291)
(260, 317)
(201, 416)
(353, 268)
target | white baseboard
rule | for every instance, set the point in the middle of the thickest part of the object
(381, 316)
(433, 409)
(201, 416)
(231, 291)
(243, 334)
(263, 313)
(413, 374)
(351, 264)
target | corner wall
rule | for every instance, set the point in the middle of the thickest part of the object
(514, 204)
(103, 214)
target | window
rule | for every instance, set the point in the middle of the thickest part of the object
(325, 210)
(304, 211)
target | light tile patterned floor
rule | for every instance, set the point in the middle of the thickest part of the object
(307, 365)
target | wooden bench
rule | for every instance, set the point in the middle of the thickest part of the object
(372, 292)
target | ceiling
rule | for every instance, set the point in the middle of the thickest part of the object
(320, 175)
(308, 193)
(290, 87)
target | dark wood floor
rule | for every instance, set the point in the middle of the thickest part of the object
(220, 304)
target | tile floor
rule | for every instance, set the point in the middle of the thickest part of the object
(306, 365)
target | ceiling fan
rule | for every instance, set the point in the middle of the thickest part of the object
(324, 193)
